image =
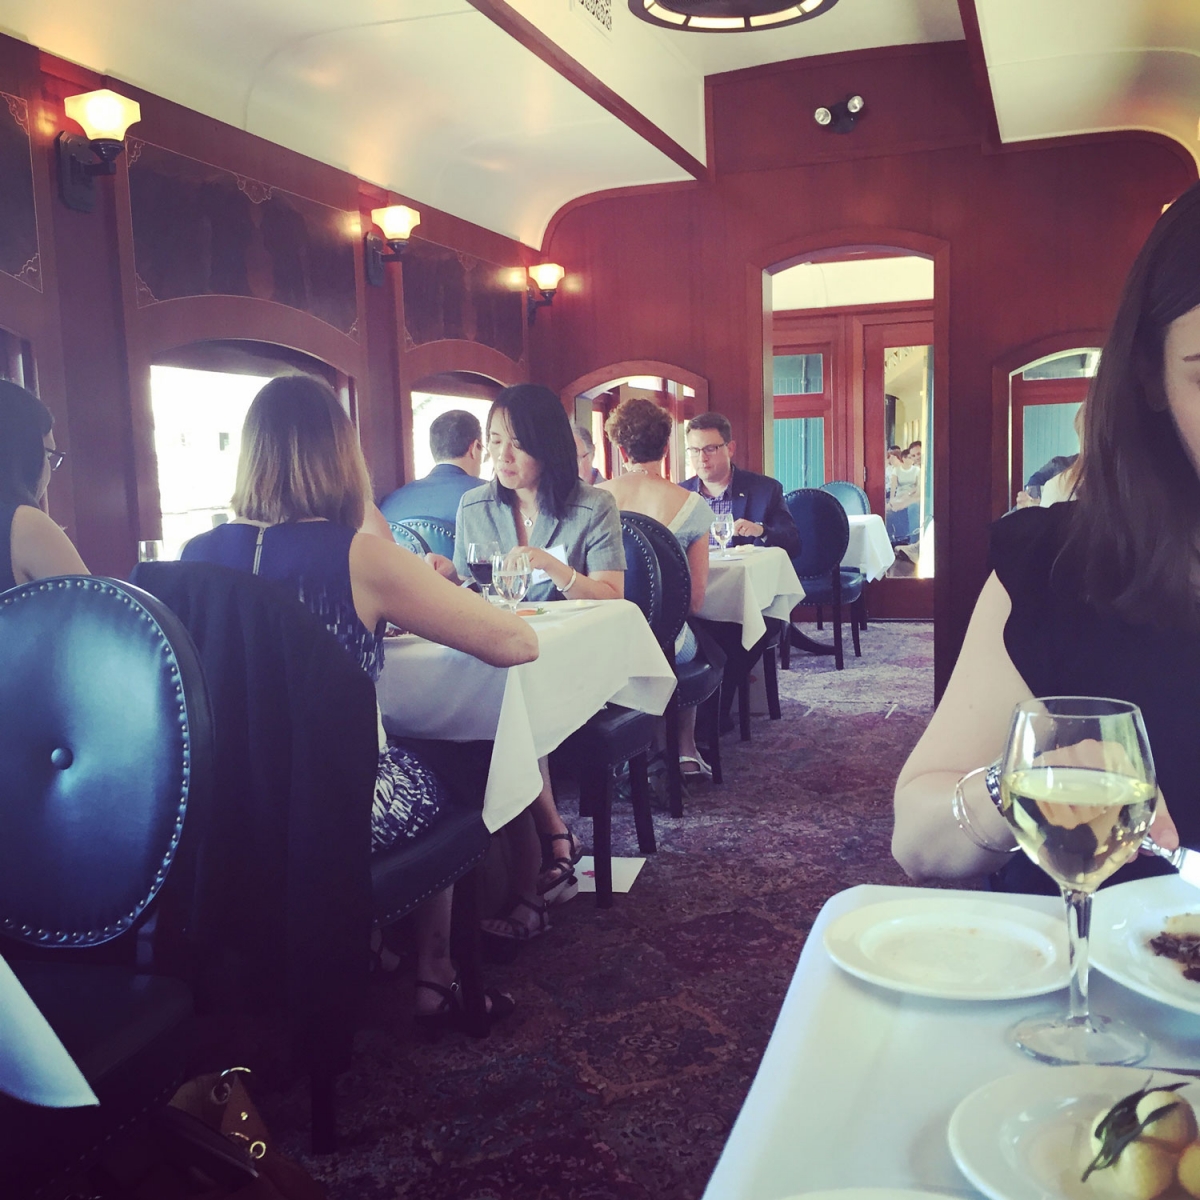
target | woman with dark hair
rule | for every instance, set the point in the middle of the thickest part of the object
(571, 532)
(641, 430)
(36, 546)
(301, 493)
(1096, 598)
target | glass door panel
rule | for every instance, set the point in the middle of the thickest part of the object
(800, 452)
(907, 458)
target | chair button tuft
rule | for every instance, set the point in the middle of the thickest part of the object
(61, 758)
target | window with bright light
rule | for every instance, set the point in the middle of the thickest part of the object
(425, 407)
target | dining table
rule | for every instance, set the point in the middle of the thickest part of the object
(747, 584)
(859, 1082)
(590, 653)
(869, 549)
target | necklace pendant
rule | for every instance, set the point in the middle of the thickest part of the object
(527, 522)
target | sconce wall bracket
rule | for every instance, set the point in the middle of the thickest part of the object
(80, 160)
(375, 257)
(532, 303)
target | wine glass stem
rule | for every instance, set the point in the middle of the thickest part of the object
(1079, 919)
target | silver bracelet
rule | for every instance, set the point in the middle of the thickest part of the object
(570, 582)
(962, 817)
(991, 781)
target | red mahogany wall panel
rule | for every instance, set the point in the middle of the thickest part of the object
(1034, 241)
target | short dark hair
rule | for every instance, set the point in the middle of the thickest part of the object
(916, 443)
(541, 427)
(1133, 528)
(712, 420)
(24, 423)
(453, 433)
(641, 428)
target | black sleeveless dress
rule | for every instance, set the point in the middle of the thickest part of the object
(1063, 647)
(7, 512)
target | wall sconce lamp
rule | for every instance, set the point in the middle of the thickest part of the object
(397, 222)
(105, 117)
(842, 116)
(545, 278)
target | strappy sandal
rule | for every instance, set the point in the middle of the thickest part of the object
(451, 1014)
(509, 929)
(703, 770)
(558, 868)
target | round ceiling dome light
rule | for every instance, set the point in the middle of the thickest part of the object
(727, 16)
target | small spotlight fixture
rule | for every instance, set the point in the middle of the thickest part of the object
(397, 222)
(842, 116)
(105, 116)
(544, 278)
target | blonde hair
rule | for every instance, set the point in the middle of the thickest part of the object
(300, 457)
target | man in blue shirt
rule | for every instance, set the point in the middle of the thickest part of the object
(457, 445)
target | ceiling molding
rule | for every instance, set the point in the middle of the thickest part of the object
(979, 68)
(638, 189)
(537, 43)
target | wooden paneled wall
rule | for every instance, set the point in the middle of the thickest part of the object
(1027, 242)
(209, 233)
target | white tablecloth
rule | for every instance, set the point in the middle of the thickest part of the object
(869, 549)
(858, 1082)
(755, 582)
(590, 653)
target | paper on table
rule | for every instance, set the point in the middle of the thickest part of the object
(34, 1064)
(559, 552)
(625, 871)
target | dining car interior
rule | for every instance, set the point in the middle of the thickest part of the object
(598, 599)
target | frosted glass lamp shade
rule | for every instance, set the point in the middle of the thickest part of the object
(104, 115)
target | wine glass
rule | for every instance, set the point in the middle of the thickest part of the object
(1077, 787)
(510, 577)
(722, 528)
(479, 560)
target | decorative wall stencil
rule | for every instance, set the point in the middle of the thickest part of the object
(448, 294)
(19, 255)
(199, 230)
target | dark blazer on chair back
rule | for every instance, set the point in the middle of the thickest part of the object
(759, 498)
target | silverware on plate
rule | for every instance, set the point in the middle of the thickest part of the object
(1186, 862)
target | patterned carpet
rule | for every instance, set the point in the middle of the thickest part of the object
(639, 1029)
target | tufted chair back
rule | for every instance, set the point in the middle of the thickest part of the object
(105, 748)
(408, 538)
(849, 495)
(643, 579)
(824, 531)
(437, 534)
(676, 579)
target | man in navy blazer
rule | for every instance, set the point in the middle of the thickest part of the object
(457, 444)
(755, 501)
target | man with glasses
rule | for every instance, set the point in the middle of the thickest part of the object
(754, 501)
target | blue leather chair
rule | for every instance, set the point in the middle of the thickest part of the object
(824, 536)
(849, 495)
(409, 538)
(698, 683)
(106, 754)
(434, 533)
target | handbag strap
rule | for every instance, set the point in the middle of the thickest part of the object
(258, 549)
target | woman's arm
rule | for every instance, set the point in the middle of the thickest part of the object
(375, 522)
(967, 731)
(391, 583)
(599, 585)
(40, 548)
(697, 555)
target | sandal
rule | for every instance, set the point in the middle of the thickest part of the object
(558, 868)
(702, 771)
(509, 929)
(451, 1013)
(568, 889)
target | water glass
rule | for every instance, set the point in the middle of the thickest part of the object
(722, 530)
(511, 576)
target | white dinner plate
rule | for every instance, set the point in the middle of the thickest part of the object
(953, 948)
(1025, 1137)
(1124, 919)
(866, 1193)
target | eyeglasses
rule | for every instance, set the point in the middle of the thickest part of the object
(705, 451)
(55, 458)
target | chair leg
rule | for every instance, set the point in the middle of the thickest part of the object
(323, 1101)
(639, 787)
(861, 605)
(714, 741)
(785, 646)
(674, 775)
(771, 680)
(838, 660)
(464, 948)
(820, 623)
(602, 839)
(743, 694)
(854, 632)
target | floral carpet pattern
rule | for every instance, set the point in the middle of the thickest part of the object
(638, 1030)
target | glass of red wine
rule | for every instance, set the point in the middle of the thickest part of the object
(479, 560)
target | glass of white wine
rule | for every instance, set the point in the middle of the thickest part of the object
(1078, 789)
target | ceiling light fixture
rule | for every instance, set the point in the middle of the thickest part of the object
(544, 278)
(397, 222)
(105, 117)
(842, 116)
(727, 16)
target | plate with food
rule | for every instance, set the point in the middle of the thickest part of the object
(869, 1193)
(1080, 1133)
(532, 610)
(1146, 935)
(953, 948)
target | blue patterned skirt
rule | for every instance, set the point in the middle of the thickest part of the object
(408, 797)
